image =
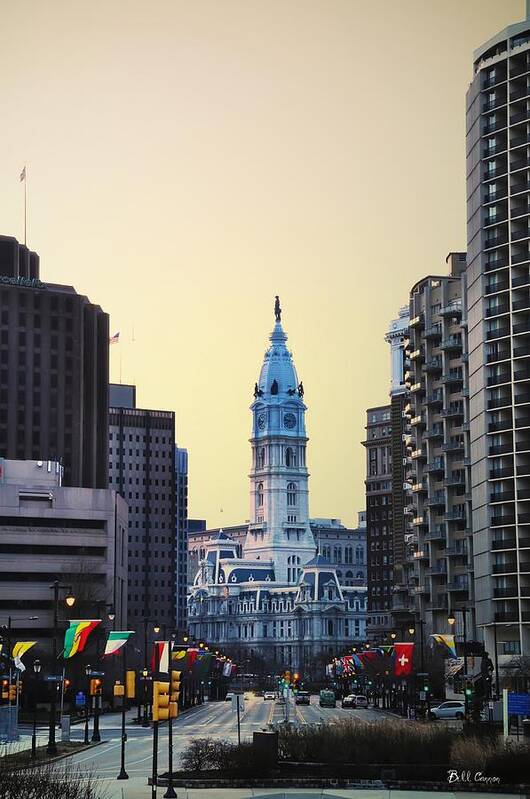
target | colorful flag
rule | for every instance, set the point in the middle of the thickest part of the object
(116, 640)
(76, 636)
(403, 659)
(178, 654)
(446, 640)
(115, 339)
(20, 648)
(23, 175)
(160, 657)
(227, 669)
(191, 657)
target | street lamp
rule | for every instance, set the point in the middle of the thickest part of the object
(69, 601)
(452, 621)
(145, 674)
(36, 668)
(88, 672)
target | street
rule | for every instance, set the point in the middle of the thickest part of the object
(214, 719)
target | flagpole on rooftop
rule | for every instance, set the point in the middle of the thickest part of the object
(24, 180)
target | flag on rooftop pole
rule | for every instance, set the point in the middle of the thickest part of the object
(116, 640)
(115, 339)
(23, 174)
(76, 636)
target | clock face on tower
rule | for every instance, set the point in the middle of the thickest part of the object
(289, 420)
(262, 420)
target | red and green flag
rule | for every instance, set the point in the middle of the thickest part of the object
(76, 636)
(116, 640)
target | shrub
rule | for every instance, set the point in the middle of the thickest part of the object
(510, 761)
(203, 754)
(469, 753)
(388, 742)
(49, 782)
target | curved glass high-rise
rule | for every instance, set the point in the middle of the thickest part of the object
(498, 203)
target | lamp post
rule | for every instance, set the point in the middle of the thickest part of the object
(88, 672)
(497, 689)
(451, 621)
(70, 601)
(145, 674)
(36, 668)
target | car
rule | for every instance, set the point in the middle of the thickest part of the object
(348, 701)
(360, 701)
(453, 709)
(269, 695)
(302, 698)
(230, 695)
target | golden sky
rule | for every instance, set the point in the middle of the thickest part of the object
(189, 160)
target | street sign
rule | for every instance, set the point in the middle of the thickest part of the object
(519, 704)
(97, 674)
(54, 678)
(80, 699)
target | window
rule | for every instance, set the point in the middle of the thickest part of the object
(291, 494)
(290, 457)
(261, 457)
(259, 495)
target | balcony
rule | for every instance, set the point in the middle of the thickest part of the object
(499, 427)
(522, 421)
(455, 515)
(502, 496)
(418, 421)
(502, 520)
(504, 568)
(497, 474)
(499, 332)
(521, 374)
(454, 410)
(417, 321)
(418, 488)
(456, 479)
(457, 586)
(495, 263)
(499, 285)
(521, 327)
(521, 305)
(520, 281)
(435, 331)
(436, 398)
(419, 521)
(436, 431)
(522, 446)
(506, 543)
(453, 309)
(498, 309)
(456, 552)
(437, 499)
(432, 366)
(500, 449)
(500, 402)
(499, 379)
(505, 593)
(438, 603)
(513, 616)
(417, 388)
(437, 465)
(522, 399)
(453, 376)
(453, 446)
(498, 354)
(436, 533)
(437, 569)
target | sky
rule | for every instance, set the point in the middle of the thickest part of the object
(187, 161)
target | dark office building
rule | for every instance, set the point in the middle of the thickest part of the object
(379, 529)
(53, 371)
(181, 537)
(141, 458)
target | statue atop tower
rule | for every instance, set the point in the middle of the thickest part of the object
(277, 310)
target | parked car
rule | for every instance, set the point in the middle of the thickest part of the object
(348, 701)
(448, 710)
(229, 696)
(327, 699)
(269, 695)
(360, 701)
(302, 698)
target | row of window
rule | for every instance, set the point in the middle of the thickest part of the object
(291, 494)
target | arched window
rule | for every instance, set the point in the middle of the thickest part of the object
(349, 578)
(290, 457)
(293, 569)
(291, 494)
(259, 495)
(348, 555)
(261, 457)
(360, 575)
(359, 554)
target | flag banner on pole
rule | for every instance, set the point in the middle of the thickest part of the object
(403, 659)
(178, 654)
(76, 636)
(19, 649)
(191, 657)
(447, 641)
(160, 656)
(115, 339)
(116, 640)
(227, 670)
(23, 175)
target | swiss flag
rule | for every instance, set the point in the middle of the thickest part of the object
(403, 659)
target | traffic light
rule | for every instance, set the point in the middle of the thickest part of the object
(5, 689)
(160, 700)
(13, 692)
(95, 686)
(469, 689)
(66, 685)
(295, 685)
(175, 685)
(119, 689)
(130, 685)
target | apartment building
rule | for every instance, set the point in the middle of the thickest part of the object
(498, 197)
(439, 570)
